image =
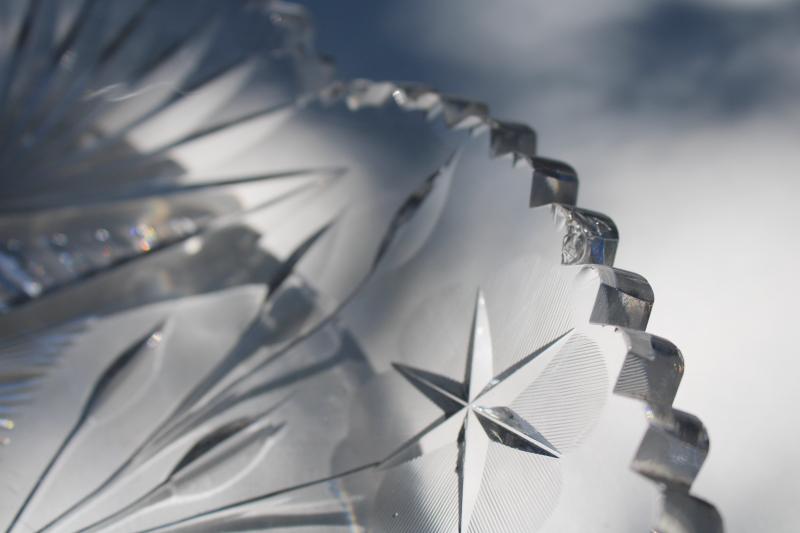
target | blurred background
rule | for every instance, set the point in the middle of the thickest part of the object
(683, 121)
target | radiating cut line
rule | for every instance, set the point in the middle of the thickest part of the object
(99, 391)
(263, 497)
(35, 204)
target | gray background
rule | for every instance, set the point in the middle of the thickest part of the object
(682, 120)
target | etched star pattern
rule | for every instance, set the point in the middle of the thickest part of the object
(474, 412)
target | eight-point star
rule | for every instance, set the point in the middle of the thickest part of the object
(471, 413)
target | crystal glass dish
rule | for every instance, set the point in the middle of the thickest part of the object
(239, 294)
